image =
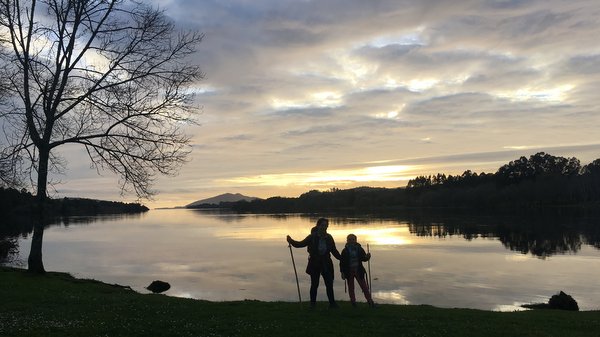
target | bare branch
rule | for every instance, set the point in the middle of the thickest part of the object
(109, 75)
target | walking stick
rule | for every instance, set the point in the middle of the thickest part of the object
(369, 266)
(296, 273)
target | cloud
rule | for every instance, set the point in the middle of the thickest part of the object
(294, 87)
(583, 65)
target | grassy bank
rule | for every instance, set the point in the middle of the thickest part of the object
(57, 304)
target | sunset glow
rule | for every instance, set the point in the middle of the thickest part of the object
(334, 177)
(297, 95)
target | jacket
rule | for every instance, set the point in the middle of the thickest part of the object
(345, 261)
(318, 262)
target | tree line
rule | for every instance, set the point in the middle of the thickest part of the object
(20, 204)
(542, 180)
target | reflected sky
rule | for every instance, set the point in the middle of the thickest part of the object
(218, 257)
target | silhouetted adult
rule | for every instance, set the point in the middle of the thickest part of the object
(320, 248)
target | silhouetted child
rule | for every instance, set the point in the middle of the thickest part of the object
(351, 266)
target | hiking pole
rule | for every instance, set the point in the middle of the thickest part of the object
(295, 273)
(369, 266)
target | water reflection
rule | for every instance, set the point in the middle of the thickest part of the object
(475, 262)
(541, 236)
(9, 250)
(10, 232)
(15, 228)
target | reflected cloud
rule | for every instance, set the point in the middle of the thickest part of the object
(392, 296)
(517, 258)
(366, 233)
(509, 307)
(181, 294)
(538, 236)
(205, 256)
(172, 267)
(259, 233)
(392, 236)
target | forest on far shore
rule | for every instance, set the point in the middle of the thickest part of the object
(21, 203)
(540, 181)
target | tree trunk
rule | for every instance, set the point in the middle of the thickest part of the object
(35, 263)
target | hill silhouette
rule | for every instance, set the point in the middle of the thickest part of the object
(540, 181)
(222, 198)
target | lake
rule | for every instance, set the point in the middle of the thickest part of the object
(491, 263)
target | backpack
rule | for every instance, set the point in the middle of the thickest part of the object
(353, 256)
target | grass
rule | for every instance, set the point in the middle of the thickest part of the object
(57, 304)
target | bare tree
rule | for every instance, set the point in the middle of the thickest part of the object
(110, 75)
(9, 173)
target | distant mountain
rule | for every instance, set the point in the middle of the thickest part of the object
(227, 197)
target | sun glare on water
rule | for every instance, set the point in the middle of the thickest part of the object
(376, 236)
(380, 236)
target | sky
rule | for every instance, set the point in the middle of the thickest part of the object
(302, 95)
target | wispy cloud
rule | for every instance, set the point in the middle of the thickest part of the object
(298, 92)
(331, 178)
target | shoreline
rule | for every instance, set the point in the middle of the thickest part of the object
(57, 304)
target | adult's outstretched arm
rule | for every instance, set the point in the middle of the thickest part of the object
(298, 244)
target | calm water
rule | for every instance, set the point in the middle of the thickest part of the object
(483, 263)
